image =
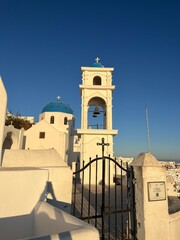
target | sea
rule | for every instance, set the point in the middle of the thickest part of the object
(176, 161)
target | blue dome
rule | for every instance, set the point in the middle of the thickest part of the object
(97, 64)
(57, 107)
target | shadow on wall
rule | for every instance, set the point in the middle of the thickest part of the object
(173, 204)
(20, 222)
(53, 201)
(50, 221)
(24, 142)
(16, 227)
(8, 141)
(37, 223)
(32, 219)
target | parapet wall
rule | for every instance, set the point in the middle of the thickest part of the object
(59, 183)
(32, 158)
(21, 189)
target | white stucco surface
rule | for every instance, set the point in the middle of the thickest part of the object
(153, 219)
(20, 183)
(151, 215)
(3, 109)
(54, 138)
(50, 220)
(174, 226)
(96, 90)
(32, 158)
(60, 191)
(146, 159)
(59, 174)
(20, 189)
(58, 120)
(58, 135)
(24, 214)
(13, 135)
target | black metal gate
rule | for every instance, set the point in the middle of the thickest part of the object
(109, 205)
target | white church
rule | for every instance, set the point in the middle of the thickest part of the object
(56, 126)
(55, 130)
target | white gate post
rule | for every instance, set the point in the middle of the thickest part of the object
(150, 198)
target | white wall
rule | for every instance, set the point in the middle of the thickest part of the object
(15, 135)
(3, 109)
(152, 216)
(58, 120)
(174, 226)
(32, 158)
(59, 174)
(49, 220)
(21, 189)
(54, 139)
(153, 219)
(60, 194)
(89, 148)
(24, 214)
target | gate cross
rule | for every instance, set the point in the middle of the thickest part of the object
(103, 144)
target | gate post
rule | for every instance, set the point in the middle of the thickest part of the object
(150, 198)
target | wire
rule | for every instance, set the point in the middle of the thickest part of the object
(147, 129)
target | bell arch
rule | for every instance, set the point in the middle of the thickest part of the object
(97, 113)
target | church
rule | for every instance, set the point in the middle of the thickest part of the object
(55, 130)
(56, 126)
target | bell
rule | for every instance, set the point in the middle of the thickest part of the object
(96, 111)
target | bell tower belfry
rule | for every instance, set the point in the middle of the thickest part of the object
(96, 110)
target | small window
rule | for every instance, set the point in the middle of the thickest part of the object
(42, 135)
(65, 121)
(52, 120)
(97, 80)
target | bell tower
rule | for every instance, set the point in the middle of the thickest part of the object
(96, 110)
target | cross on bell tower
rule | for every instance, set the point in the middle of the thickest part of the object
(97, 59)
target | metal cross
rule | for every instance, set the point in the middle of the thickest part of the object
(97, 59)
(103, 144)
(58, 98)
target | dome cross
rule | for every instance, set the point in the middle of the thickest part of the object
(97, 59)
(58, 98)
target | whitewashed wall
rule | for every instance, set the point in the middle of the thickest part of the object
(59, 174)
(153, 219)
(20, 189)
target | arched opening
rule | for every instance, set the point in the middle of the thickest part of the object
(97, 113)
(97, 80)
(65, 121)
(52, 120)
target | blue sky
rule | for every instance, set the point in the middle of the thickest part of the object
(43, 44)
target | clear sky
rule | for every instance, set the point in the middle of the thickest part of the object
(44, 43)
